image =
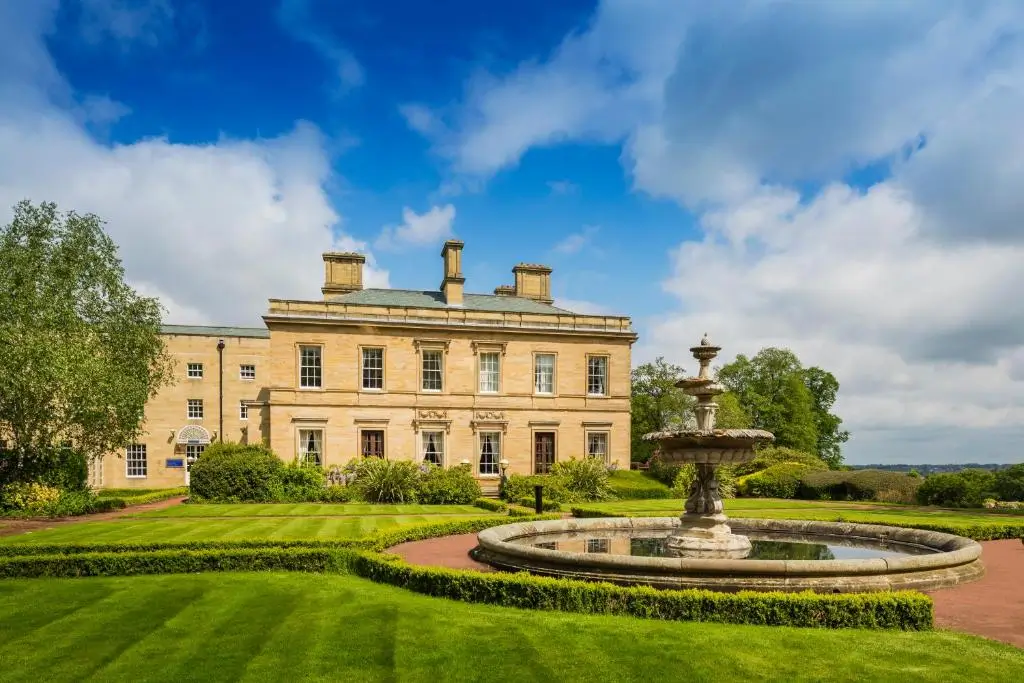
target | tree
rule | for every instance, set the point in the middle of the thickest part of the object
(794, 403)
(656, 403)
(730, 414)
(1009, 483)
(80, 351)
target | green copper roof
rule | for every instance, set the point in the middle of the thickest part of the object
(207, 331)
(471, 302)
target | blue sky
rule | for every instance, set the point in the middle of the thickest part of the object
(842, 179)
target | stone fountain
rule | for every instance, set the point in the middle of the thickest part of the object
(704, 531)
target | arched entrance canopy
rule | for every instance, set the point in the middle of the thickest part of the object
(193, 435)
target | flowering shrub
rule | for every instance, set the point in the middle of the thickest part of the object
(33, 498)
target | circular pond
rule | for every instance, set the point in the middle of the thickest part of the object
(785, 555)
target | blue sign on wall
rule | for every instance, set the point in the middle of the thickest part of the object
(175, 462)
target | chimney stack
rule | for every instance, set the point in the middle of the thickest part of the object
(504, 290)
(453, 281)
(533, 281)
(343, 273)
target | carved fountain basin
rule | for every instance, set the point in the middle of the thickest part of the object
(711, 447)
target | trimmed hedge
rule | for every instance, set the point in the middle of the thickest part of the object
(778, 481)
(906, 610)
(630, 485)
(902, 610)
(491, 505)
(148, 497)
(880, 485)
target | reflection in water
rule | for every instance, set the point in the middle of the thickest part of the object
(759, 550)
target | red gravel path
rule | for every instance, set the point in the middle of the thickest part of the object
(992, 607)
(9, 527)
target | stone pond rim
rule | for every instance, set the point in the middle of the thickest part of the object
(953, 560)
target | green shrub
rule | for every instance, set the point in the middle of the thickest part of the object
(451, 486)
(491, 505)
(585, 479)
(966, 488)
(336, 493)
(302, 482)
(688, 472)
(386, 481)
(235, 473)
(778, 481)
(519, 486)
(30, 498)
(879, 485)
(1009, 483)
(776, 455)
(665, 472)
(75, 503)
(545, 504)
(633, 485)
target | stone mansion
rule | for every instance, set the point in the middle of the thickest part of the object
(498, 381)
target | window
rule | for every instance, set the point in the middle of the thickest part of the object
(310, 374)
(311, 446)
(597, 445)
(135, 460)
(598, 545)
(490, 452)
(543, 452)
(195, 370)
(372, 443)
(95, 473)
(247, 372)
(373, 368)
(243, 411)
(192, 453)
(195, 409)
(490, 373)
(544, 373)
(432, 370)
(433, 447)
(597, 375)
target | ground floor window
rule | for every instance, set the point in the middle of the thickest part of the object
(243, 410)
(96, 473)
(311, 446)
(543, 452)
(433, 447)
(135, 460)
(372, 442)
(597, 445)
(598, 545)
(490, 452)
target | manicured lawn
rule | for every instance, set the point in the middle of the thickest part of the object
(256, 627)
(308, 510)
(190, 529)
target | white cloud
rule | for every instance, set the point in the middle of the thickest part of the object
(294, 16)
(213, 229)
(581, 306)
(126, 21)
(904, 291)
(418, 229)
(421, 119)
(563, 187)
(575, 242)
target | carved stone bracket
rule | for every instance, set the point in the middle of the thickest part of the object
(489, 419)
(433, 414)
(479, 346)
(490, 415)
(421, 344)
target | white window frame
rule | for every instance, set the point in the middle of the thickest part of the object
(306, 435)
(363, 368)
(194, 370)
(439, 355)
(607, 445)
(316, 372)
(194, 409)
(244, 375)
(537, 373)
(496, 372)
(603, 378)
(134, 454)
(243, 410)
(437, 437)
(496, 453)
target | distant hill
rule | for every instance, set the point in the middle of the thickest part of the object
(931, 469)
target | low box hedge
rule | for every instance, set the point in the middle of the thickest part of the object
(491, 505)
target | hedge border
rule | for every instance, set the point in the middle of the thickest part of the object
(975, 532)
(362, 557)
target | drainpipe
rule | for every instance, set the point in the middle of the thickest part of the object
(220, 362)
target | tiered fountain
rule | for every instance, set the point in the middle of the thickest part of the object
(700, 550)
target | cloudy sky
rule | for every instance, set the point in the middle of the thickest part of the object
(842, 178)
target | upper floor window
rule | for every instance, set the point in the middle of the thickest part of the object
(194, 409)
(247, 371)
(544, 373)
(310, 368)
(597, 375)
(311, 446)
(135, 460)
(373, 368)
(490, 373)
(195, 370)
(433, 371)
